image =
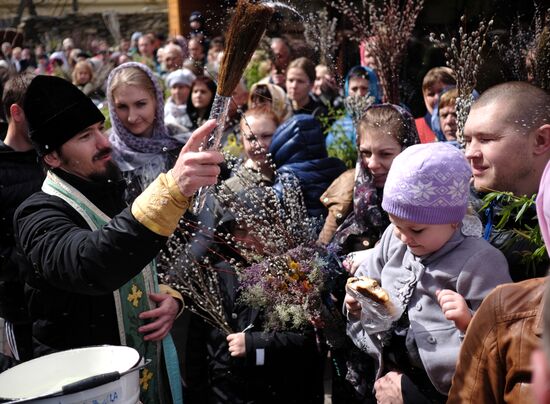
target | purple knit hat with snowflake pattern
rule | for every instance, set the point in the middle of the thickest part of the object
(428, 184)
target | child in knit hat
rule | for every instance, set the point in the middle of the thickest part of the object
(176, 117)
(436, 269)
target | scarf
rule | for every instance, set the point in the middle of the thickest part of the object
(368, 218)
(132, 152)
(130, 300)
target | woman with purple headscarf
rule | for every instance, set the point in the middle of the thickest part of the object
(142, 145)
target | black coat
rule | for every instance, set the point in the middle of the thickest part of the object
(292, 371)
(72, 271)
(21, 175)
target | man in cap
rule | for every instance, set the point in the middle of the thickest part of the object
(91, 276)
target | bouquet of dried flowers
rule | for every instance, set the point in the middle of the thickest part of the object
(287, 288)
(282, 273)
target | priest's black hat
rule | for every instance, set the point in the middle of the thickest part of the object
(56, 111)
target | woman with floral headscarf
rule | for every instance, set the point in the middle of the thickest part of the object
(356, 219)
(273, 97)
(142, 145)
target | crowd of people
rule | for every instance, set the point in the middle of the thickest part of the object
(100, 159)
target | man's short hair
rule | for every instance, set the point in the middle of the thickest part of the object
(441, 74)
(285, 43)
(14, 92)
(527, 106)
(216, 41)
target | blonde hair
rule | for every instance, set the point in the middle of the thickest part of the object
(82, 65)
(448, 98)
(132, 76)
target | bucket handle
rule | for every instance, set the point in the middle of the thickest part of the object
(85, 384)
(99, 380)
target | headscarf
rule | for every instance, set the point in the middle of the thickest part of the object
(367, 216)
(374, 90)
(129, 151)
(543, 207)
(280, 104)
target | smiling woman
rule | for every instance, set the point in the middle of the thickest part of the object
(142, 145)
(135, 107)
(356, 220)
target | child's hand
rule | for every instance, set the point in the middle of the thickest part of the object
(353, 260)
(455, 308)
(352, 306)
(237, 345)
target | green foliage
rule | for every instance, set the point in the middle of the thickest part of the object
(255, 71)
(516, 208)
(333, 114)
(105, 111)
(342, 147)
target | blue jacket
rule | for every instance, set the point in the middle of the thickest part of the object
(298, 147)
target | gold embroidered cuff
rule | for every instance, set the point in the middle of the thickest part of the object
(160, 205)
(175, 294)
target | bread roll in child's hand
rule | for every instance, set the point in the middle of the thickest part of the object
(369, 288)
(377, 310)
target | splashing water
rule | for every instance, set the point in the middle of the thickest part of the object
(283, 6)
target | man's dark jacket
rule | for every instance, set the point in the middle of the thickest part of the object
(512, 248)
(72, 271)
(21, 175)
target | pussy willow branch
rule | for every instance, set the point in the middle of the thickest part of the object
(464, 56)
(385, 30)
(320, 34)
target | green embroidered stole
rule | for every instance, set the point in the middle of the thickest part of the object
(131, 299)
